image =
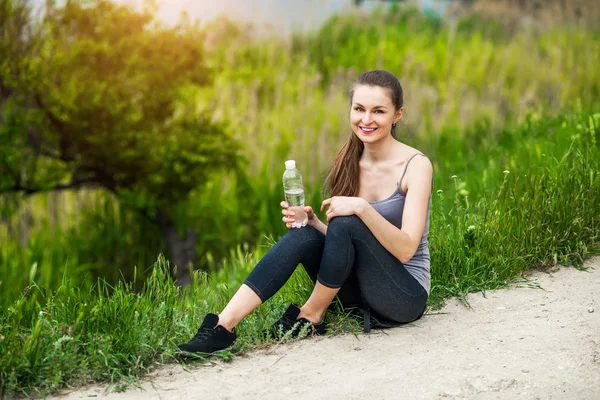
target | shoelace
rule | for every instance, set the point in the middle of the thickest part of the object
(203, 334)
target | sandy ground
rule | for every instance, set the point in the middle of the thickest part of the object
(516, 343)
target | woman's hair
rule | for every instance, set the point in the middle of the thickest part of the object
(342, 179)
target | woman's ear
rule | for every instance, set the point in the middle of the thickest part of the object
(398, 115)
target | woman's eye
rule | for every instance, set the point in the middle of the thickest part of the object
(362, 109)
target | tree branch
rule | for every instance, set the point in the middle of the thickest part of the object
(74, 184)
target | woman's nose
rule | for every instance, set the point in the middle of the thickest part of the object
(367, 118)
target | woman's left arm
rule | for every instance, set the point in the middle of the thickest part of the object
(402, 243)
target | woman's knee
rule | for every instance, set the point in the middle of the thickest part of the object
(305, 233)
(302, 237)
(347, 223)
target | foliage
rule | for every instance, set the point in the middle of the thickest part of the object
(540, 206)
(102, 96)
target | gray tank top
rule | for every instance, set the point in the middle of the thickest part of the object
(392, 209)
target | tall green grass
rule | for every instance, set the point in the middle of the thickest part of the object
(541, 206)
(114, 333)
(83, 234)
(541, 209)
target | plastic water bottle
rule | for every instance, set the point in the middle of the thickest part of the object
(294, 193)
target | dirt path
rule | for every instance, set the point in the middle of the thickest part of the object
(518, 343)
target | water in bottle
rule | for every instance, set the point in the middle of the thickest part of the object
(294, 193)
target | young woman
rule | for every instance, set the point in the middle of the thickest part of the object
(374, 252)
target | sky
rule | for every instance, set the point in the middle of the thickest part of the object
(285, 15)
(289, 15)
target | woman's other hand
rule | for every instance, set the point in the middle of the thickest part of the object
(312, 217)
(341, 205)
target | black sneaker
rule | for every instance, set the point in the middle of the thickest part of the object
(210, 337)
(290, 322)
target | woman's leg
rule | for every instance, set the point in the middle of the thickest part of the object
(304, 245)
(243, 302)
(270, 274)
(337, 263)
(384, 283)
(348, 294)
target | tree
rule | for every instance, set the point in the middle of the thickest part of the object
(95, 93)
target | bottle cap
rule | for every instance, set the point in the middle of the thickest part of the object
(290, 164)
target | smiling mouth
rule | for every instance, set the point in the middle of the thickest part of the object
(367, 130)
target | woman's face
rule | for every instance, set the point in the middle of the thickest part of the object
(372, 113)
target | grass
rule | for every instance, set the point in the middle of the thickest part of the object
(111, 333)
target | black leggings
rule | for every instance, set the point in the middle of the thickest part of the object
(348, 257)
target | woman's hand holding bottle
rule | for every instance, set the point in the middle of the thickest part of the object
(289, 215)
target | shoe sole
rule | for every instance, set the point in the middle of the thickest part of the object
(189, 355)
(198, 355)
